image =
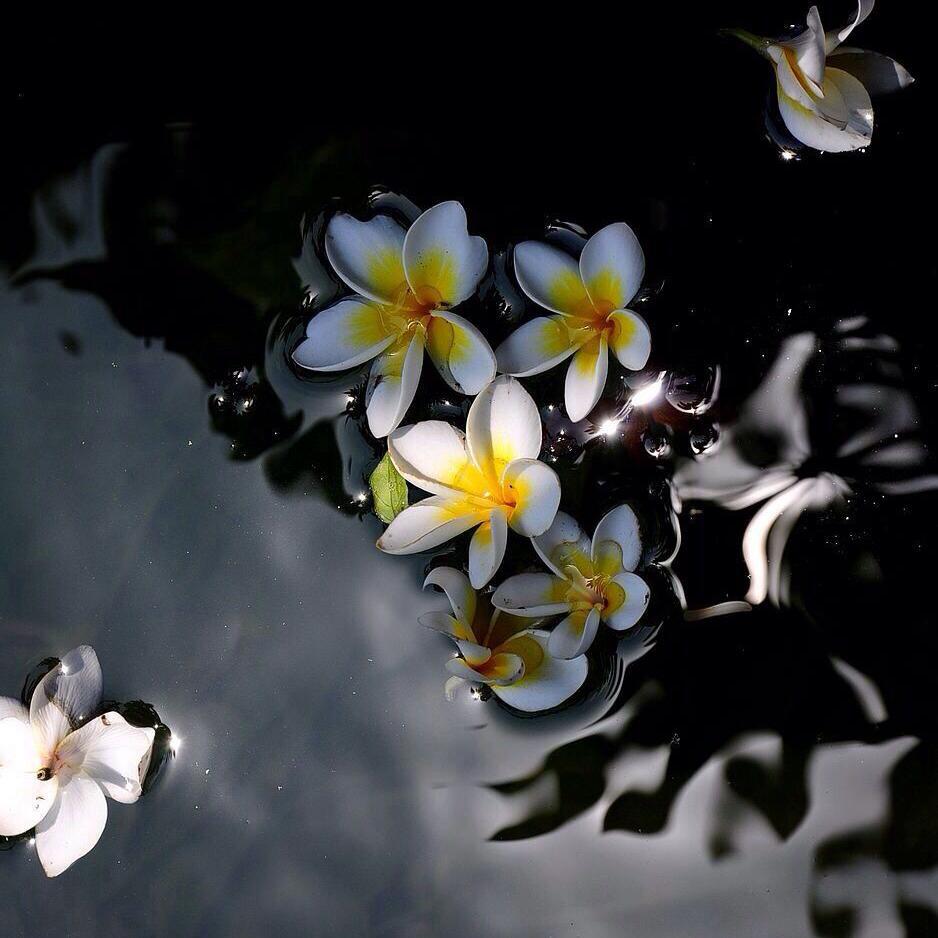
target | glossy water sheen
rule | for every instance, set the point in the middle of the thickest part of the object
(173, 494)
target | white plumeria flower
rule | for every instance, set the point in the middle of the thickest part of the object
(406, 283)
(824, 87)
(500, 650)
(590, 583)
(488, 478)
(57, 766)
(589, 302)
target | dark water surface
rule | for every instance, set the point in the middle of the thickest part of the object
(176, 496)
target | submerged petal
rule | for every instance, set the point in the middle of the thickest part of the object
(65, 698)
(433, 456)
(534, 490)
(630, 339)
(573, 636)
(73, 826)
(547, 681)
(619, 527)
(367, 255)
(537, 346)
(612, 266)
(627, 597)
(551, 278)
(429, 523)
(342, 336)
(564, 544)
(586, 378)
(443, 263)
(487, 548)
(459, 592)
(879, 74)
(533, 595)
(461, 353)
(112, 752)
(503, 425)
(24, 798)
(392, 384)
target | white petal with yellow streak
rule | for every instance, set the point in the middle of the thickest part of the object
(551, 278)
(537, 346)
(433, 456)
(533, 595)
(344, 335)
(442, 262)
(619, 526)
(503, 425)
(821, 132)
(612, 266)
(573, 635)
(630, 339)
(497, 671)
(445, 624)
(586, 378)
(628, 613)
(367, 255)
(809, 50)
(455, 584)
(563, 544)
(24, 799)
(534, 489)
(461, 353)
(547, 684)
(429, 523)
(487, 548)
(392, 384)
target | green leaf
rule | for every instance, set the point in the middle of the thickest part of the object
(388, 490)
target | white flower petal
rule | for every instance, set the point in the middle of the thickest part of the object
(473, 654)
(809, 49)
(637, 595)
(73, 826)
(535, 490)
(551, 278)
(879, 74)
(112, 752)
(612, 266)
(546, 685)
(367, 255)
(847, 119)
(24, 799)
(392, 384)
(459, 592)
(503, 425)
(443, 623)
(621, 527)
(630, 340)
(487, 548)
(573, 635)
(835, 38)
(563, 544)
(428, 524)
(461, 353)
(443, 263)
(344, 335)
(433, 456)
(537, 346)
(586, 378)
(65, 698)
(533, 595)
(499, 670)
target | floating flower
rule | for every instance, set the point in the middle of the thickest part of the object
(500, 650)
(824, 87)
(57, 765)
(488, 478)
(588, 301)
(590, 583)
(405, 283)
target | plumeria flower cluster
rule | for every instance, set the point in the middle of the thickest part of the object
(824, 87)
(59, 763)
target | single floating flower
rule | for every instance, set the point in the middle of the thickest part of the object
(500, 650)
(589, 302)
(57, 766)
(488, 478)
(590, 583)
(405, 283)
(824, 87)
